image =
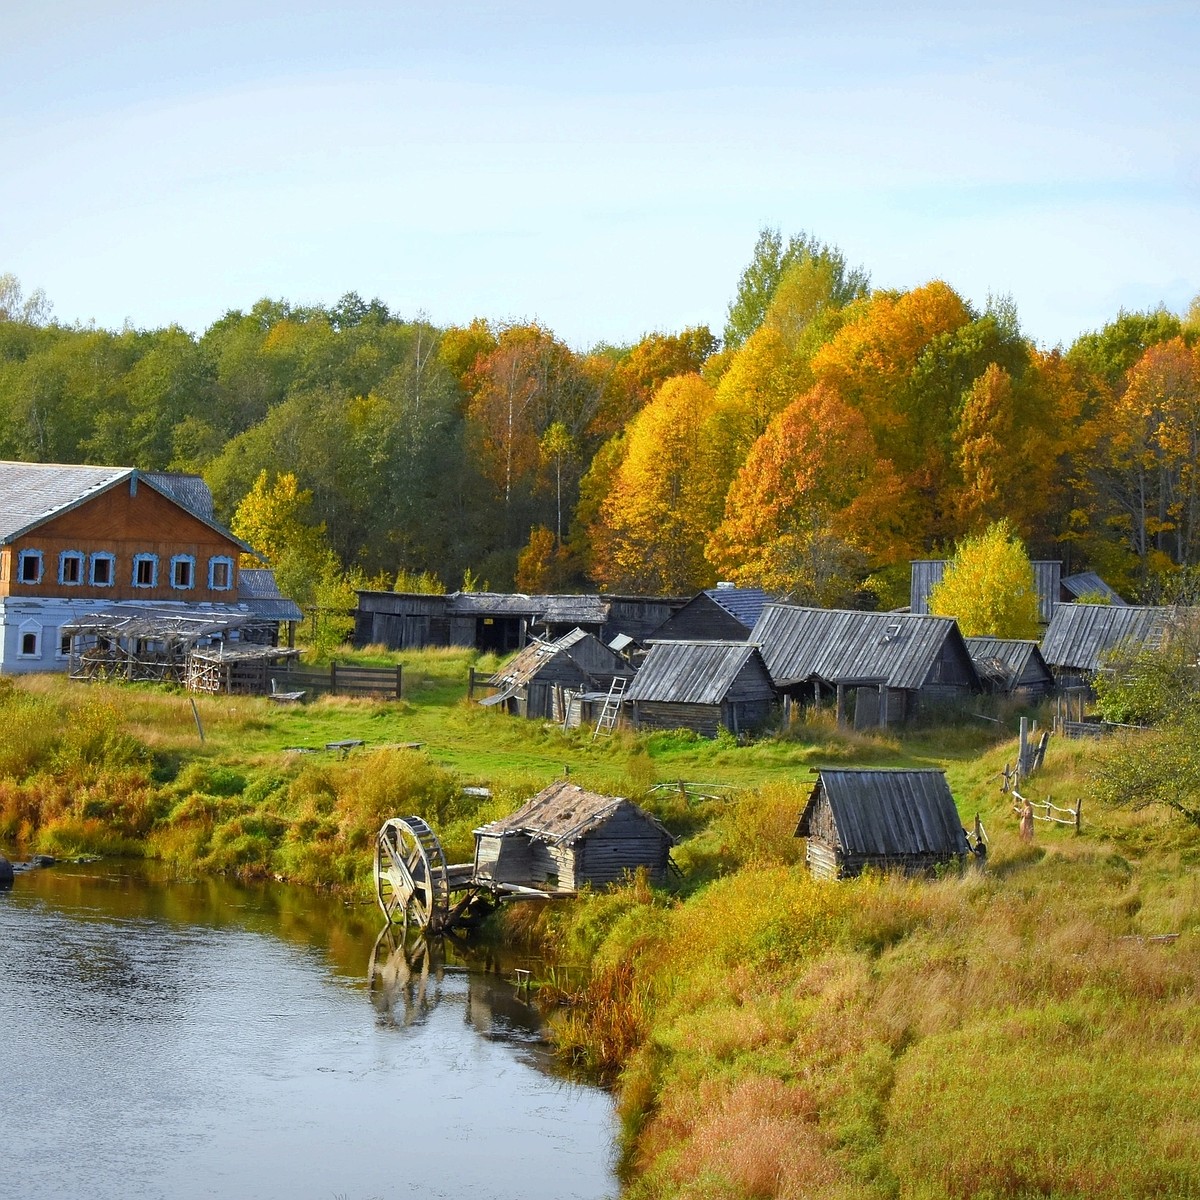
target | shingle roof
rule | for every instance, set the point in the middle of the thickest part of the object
(746, 604)
(841, 645)
(693, 672)
(1081, 634)
(579, 610)
(563, 813)
(31, 493)
(189, 490)
(889, 813)
(259, 592)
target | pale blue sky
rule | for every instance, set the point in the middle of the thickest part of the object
(606, 170)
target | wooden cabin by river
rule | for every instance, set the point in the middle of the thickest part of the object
(566, 837)
(886, 819)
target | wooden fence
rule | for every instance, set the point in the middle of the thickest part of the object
(1045, 810)
(343, 679)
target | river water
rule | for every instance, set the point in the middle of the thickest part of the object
(199, 1040)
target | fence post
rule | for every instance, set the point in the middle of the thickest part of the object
(1078, 809)
(333, 679)
(470, 683)
(399, 682)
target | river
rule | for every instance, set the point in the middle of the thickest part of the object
(197, 1040)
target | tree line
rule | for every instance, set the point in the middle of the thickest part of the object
(830, 434)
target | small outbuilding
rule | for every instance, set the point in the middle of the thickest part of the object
(702, 686)
(566, 837)
(724, 613)
(1082, 636)
(1011, 667)
(887, 819)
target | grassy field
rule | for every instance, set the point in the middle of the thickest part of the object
(1016, 1032)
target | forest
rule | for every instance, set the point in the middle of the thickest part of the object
(830, 433)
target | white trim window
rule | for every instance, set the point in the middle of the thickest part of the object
(183, 572)
(30, 565)
(145, 570)
(29, 640)
(64, 645)
(102, 570)
(71, 565)
(220, 573)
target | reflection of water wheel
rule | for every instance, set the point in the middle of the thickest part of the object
(411, 881)
(404, 973)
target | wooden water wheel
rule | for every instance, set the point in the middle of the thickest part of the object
(411, 880)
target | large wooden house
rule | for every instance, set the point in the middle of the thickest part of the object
(887, 665)
(702, 686)
(885, 819)
(79, 540)
(566, 838)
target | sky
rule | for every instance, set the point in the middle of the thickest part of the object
(603, 169)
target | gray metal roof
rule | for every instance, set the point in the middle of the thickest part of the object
(889, 813)
(1088, 583)
(693, 672)
(1007, 659)
(746, 604)
(1081, 634)
(259, 592)
(836, 645)
(564, 813)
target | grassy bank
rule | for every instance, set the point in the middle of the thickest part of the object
(1010, 1033)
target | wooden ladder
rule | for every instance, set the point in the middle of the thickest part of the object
(611, 709)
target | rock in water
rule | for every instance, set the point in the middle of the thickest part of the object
(6, 873)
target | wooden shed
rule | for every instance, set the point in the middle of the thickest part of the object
(888, 664)
(724, 613)
(544, 678)
(702, 686)
(890, 820)
(566, 837)
(1011, 667)
(1081, 635)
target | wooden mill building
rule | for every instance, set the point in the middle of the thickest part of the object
(888, 820)
(887, 665)
(702, 686)
(545, 678)
(1011, 667)
(566, 838)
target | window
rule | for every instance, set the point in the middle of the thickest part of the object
(220, 574)
(145, 570)
(183, 571)
(70, 567)
(29, 569)
(64, 644)
(29, 640)
(104, 570)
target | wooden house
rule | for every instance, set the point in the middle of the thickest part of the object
(566, 838)
(702, 686)
(1011, 667)
(78, 540)
(887, 665)
(1080, 636)
(721, 614)
(547, 679)
(889, 820)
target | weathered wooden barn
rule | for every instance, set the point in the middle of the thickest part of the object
(1080, 636)
(721, 614)
(567, 838)
(1011, 667)
(1089, 585)
(885, 819)
(545, 678)
(887, 665)
(702, 686)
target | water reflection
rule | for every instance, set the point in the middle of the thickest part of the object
(203, 1039)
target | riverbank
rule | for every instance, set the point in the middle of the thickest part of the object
(1010, 1033)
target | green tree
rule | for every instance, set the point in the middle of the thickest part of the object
(988, 586)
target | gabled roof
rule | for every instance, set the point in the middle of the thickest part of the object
(746, 604)
(259, 592)
(1081, 634)
(1088, 583)
(695, 672)
(1008, 661)
(33, 493)
(844, 645)
(564, 813)
(889, 813)
(590, 657)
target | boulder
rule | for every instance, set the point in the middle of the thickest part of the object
(6, 873)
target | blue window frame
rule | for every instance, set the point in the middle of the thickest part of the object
(30, 565)
(220, 573)
(145, 570)
(71, 565)
(183, 572)
(102, 570)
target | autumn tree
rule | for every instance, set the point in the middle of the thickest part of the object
(989, 587)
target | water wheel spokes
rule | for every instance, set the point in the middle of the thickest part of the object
(411, 881)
